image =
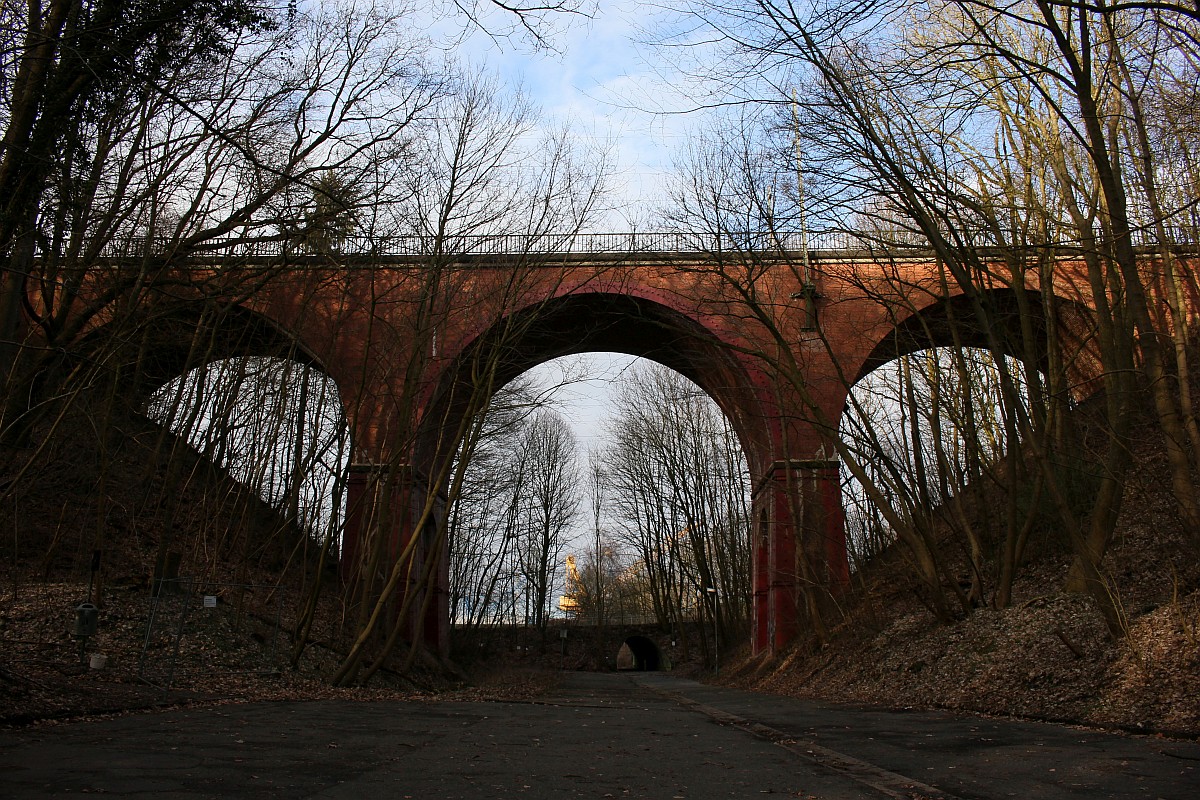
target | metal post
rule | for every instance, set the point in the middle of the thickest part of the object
(716, 629)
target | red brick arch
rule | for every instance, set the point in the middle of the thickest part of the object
(631, 323)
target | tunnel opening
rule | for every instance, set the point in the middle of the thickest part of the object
(639, 654)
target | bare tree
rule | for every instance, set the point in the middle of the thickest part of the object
(680, 495)
(992, 135)
(204, 154)
(481, 180)
(550, 506)
(483, 521)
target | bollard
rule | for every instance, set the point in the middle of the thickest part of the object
(87, 619)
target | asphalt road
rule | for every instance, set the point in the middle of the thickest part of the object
(598, 735)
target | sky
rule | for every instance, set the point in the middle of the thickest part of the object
(587, 403)
(609, 87)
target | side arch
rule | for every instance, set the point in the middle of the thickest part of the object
(1050, 335)
(952, 321)
(251, 398)
(163, 346)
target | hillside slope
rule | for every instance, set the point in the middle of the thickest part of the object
(1047, 656)
(138, 503)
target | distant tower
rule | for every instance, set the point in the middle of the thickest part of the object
(569, 602)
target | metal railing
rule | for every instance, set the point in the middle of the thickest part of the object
(633, 243)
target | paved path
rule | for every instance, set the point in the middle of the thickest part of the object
(596, 736)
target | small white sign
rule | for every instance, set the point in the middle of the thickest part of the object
(210, 601)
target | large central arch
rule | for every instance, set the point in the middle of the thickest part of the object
(588, 322)
(632, 323)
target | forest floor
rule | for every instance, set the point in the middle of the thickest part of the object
(1049, 658)
(216, 656)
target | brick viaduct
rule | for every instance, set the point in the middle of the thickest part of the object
(407, 337)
